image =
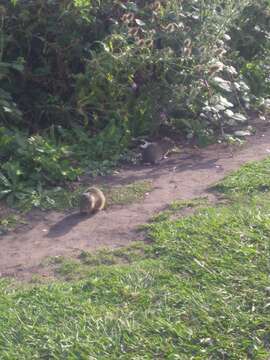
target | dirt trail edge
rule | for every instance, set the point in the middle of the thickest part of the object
(184, 176)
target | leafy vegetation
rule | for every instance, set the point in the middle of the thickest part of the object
(79, 79)
(199, 290)
(8, 222)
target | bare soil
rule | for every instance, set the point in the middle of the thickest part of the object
(184, 176)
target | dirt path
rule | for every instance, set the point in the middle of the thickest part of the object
(185, 176)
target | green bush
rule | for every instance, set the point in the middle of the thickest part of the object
(165, 63)
(250, 41)
(250, 34)
(53, 38)
(29, 163)
(8, 108)
(141, 64)
(257, 74)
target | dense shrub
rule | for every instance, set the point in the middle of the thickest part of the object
(139, 63)
(165, 62)
(250, 34)
(251, 43)
(50, 38)
(29, 163)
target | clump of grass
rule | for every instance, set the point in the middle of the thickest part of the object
(87, 262)
(125, 255)
(161, 216)
(122, 195)
(10, 222)
(66, 268)
(191, 203)
(177, 206)
(251, 178)
(104, 257)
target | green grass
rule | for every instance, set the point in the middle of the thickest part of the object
(175, 209)
(199, 290)
(251, 178)
(126, 194)
(178, 205)
(74, 269)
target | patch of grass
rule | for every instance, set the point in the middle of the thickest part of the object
(69, 268)
(125, 255)
(87, 262)
(38, 279)
(66, 268)
(122, 195)
(161, 216)
(251, 178)
(177, 206)
(183, 204)
(200, 290)
(104, 257)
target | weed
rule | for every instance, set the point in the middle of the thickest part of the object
(10, 222)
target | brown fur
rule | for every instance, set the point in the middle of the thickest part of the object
(91, 201)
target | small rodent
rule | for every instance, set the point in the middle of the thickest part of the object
(91, 201)
(153, 152)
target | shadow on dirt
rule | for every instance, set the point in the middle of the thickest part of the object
(65, 225)
(171, 165)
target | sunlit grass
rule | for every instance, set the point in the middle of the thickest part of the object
(199, 290)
